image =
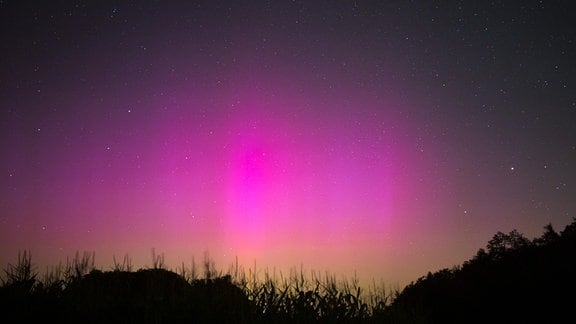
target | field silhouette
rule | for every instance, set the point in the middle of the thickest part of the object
(513, 280)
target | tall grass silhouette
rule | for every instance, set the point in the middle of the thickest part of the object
(78, 291)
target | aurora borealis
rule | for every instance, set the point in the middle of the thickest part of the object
(388, 137)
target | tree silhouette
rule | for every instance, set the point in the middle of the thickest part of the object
(514, 280)
(550, 236)
(502, 243)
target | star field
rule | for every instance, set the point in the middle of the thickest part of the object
(388, 137)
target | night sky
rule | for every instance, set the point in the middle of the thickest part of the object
(388, 137)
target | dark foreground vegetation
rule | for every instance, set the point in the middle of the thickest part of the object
(513, 280)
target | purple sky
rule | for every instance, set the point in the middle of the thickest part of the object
(384, 137)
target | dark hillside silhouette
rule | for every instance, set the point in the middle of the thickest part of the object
(514, 280)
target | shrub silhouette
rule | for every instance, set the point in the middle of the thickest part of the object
(125, 296)
(153, 296)
(144, 296)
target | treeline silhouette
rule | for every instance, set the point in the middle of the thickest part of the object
(513, 280)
